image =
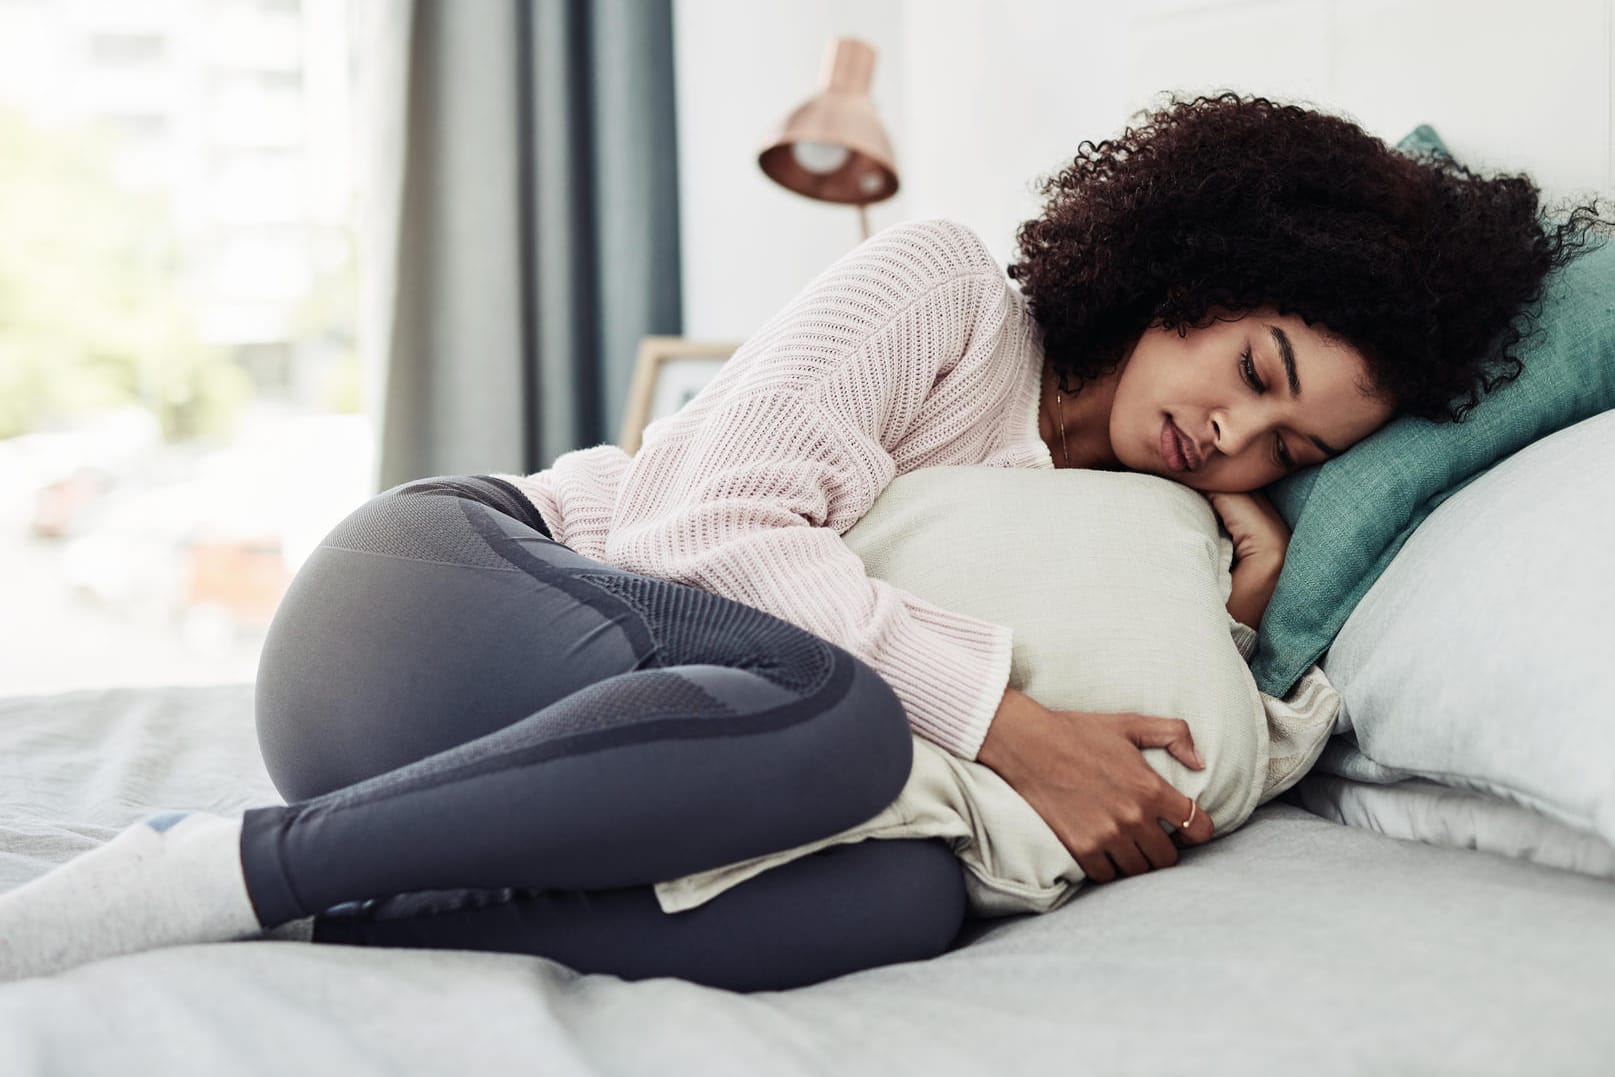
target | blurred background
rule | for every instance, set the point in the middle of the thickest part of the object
(177, 329)
(262, 259)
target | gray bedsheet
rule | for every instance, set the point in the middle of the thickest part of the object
(1293, 942)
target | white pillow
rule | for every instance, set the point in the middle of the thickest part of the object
(1484, 656)
(1115, 585)
(1417, 809)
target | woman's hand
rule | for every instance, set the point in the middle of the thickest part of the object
(1261, 539)
(1258, 531)
(1085, 774)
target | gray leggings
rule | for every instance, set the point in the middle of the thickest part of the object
(491, 742)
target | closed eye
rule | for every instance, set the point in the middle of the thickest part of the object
(1247, 367)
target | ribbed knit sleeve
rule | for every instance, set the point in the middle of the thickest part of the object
(747, 490)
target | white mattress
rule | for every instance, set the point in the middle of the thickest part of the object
(1293, 943)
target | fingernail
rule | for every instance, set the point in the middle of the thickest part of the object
(1198, 758)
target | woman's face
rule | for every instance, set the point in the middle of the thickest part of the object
(1218, 410)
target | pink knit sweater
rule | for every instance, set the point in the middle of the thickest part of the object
(912, 350)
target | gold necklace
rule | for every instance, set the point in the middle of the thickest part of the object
(1065, 450)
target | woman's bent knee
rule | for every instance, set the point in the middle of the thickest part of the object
(883, 743)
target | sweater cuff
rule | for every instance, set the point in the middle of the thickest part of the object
(949, 692)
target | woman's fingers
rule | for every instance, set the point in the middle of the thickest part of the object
(1157, 847)
(1129, 861)
(1200, 828)
(1096, 866)
(1173, 734)
(1147, 847)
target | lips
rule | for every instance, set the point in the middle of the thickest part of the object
(1177, 448)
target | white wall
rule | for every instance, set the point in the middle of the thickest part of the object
(983, 97)
(742, 65)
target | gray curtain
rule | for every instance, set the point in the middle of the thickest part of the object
(520, 225)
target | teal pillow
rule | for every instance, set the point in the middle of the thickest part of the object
(1423, 140)
(1350, 515)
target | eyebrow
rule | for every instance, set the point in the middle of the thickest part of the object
(1287, 353)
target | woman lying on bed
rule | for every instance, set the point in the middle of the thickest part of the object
(502, 707)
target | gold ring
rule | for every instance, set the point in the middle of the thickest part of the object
(1193, 804)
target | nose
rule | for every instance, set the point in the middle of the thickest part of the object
(1230, 437)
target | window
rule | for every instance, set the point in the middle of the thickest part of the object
(180, 417)
(110, 50)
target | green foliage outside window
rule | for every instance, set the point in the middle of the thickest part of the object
(93, 312)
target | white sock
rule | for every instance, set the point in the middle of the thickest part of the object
(292, 931)
(172, 879)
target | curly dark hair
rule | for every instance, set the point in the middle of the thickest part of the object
(1238, 203)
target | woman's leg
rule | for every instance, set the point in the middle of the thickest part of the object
(839, 910)
(576, 733)
(663, 730)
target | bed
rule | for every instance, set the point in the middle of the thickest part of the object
(1294, 941)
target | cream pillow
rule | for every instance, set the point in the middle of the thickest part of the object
(1115, 586)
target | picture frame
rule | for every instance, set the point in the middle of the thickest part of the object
(668, 373)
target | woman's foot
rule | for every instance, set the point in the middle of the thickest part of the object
(172, 879)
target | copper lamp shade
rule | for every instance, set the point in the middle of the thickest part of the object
(833, 146)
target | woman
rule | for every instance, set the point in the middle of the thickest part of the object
(502, 706)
